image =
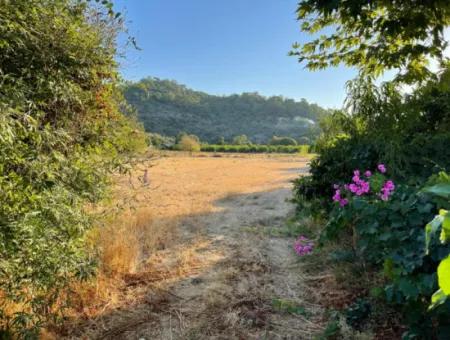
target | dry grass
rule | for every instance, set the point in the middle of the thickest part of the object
(130, 238)
(147, 249)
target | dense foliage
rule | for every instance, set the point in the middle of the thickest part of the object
(61, 133)
(410, 133)
(374, 35)
(385, 234)
(382, 220)
(167, 108)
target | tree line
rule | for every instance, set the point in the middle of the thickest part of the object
(168, 108)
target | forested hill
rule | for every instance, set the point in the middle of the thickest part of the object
(169, 108)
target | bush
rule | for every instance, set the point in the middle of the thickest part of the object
(161, 142)
(334, 163)
(384, 127)
(387, 234)
(188, 143)
(241, 140)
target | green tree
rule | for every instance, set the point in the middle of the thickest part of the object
(221, 141)
(241, 140)
(188, 143)
(375, 35)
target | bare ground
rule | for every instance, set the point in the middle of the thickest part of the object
(225, 276)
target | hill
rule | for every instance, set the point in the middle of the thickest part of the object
(168, 108)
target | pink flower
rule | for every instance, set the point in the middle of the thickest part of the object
(353, 187)
(343, 202)
(337, 196)
(303, 246)
(381, 168)
(387, 190)
(389, 185)
(368, 173)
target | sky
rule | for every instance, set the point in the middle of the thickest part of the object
(226, 47)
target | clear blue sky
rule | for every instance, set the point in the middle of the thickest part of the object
(224, 47)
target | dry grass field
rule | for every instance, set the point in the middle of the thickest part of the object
(196, 256)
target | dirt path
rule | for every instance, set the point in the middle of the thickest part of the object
(227, 276)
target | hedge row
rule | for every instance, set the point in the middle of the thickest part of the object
(303, 149)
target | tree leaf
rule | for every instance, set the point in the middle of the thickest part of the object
(443, 272)
(437, 299)
(442, 190)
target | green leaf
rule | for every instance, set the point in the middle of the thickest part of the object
(431, 229)
(437, 299)
(445, 232)
(443, 272)
(442, 190)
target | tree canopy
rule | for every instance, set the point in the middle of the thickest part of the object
(374, 35)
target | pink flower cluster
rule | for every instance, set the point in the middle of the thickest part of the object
(337, 198)
(303, 246)
(361, 186)
(387, 190)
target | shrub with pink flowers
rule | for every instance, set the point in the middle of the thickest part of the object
(382, 223)
(370, 183)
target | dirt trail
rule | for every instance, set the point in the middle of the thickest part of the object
(232, 280)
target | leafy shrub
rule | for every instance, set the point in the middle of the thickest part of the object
(161, 142)
(61, 135)
(388, 235)
(208, 148)
(335, 162)
(262, 148)
(241, 140)
(383, 126)
(188, 143)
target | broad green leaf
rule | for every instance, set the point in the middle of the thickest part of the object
(445, 232)
(443, 272)
(442, 190)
